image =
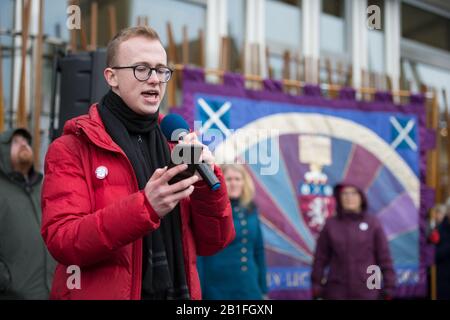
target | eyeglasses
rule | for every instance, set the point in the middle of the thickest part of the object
(143, 72)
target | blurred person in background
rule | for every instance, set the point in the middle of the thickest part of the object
(349, 243)
(441, 212)
(443, 256)
(239, 271)
(26, 268)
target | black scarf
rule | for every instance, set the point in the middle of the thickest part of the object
(141, 139)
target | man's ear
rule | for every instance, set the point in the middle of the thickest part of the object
(110, 77)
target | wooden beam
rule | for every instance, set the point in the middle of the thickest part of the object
(185, 46)
(253, 57)
(224, 59)
(317, 73)
(73, 41)
(433, 120)
(2, 106)
(38, 88)
(433, 270)
(269, 67)
(94, 23)
(172, 48)
(242, 59)
(228, 54)
(306, 69)
(173, 59)
(447, 119)
(258, 59)
(363, 79)
(388, 82)
(300, 71)
(429, 124)
(112, 21)
(436, 123)
(366, 82)
(73, 33)
(201, 48)
(340, 73)
(435, 176)
(332, 93)
(423, 88)
(349, 76)
(431, 181)
(221, 53)
(83, 36)
(172, 91)
(21, 120)
(372, 80)
(286, 64)
(329, 68)
(298, 66)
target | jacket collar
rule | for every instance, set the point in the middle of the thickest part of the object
(92, 126)
(33, 178)
(352, 216)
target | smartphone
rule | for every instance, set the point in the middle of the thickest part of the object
(188, 154)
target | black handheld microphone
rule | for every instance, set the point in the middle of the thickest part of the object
(174, 127)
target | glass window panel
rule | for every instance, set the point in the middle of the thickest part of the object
(283, 24)
(283, 32)
(333, 27)
(178, 13)
(425, 27)
(236, 30)
(6, 25)
(55, 13)
(376, 51)
(332, 30)
(6, 14)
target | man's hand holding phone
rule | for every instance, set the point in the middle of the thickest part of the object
(168, 186)
(163, 197)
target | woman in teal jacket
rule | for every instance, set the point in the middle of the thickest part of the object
(238, 272)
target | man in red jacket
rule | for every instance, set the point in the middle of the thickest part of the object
(116, 226)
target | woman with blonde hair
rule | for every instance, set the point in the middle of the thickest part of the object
(238, 272)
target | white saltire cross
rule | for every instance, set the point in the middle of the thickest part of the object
(214, 117)
(403, 133)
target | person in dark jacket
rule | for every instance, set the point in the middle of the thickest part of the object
(350, 244)
(443, 258)
(26, 268)
(239, 271)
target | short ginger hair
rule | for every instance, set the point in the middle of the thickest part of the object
(124, 35)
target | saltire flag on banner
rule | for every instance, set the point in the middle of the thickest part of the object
(297, 148)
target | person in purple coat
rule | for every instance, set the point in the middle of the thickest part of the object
(352, 247)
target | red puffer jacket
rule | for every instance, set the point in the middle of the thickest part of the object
(98, 224)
